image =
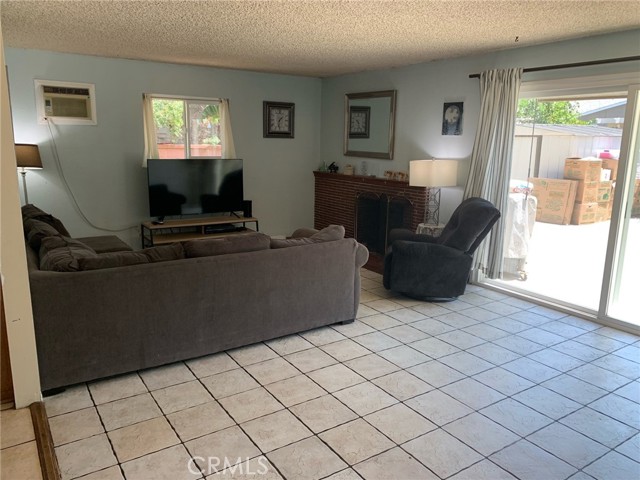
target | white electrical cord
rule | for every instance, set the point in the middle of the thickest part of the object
(56, 157)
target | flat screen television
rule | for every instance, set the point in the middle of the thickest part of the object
(194, 186)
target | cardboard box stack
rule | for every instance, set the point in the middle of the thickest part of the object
(594, 194)
(610, 173)
(609, 169)
(555, 199)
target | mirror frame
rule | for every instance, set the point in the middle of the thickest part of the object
(391, 94)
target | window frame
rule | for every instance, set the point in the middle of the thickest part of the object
(187, 130)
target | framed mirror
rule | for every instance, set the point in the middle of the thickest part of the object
(369, 124)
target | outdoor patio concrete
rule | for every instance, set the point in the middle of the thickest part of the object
(566, 262)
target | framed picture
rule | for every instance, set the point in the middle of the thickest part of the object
(452, 118)
(278, 119)
(359, 122)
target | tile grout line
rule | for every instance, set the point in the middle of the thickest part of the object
(104, 427)
(229, 414)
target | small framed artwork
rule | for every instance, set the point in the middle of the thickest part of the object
(359, 122)
(452, 118)
(278, 119)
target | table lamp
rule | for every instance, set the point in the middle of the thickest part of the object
(27, 158)
(433, 174)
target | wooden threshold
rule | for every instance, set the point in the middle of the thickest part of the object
(46, 452)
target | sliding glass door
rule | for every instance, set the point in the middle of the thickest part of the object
(572, 238)
(620, 291)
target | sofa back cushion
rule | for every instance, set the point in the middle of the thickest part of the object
(327, 234)
(61, 254)
(249, 242)
(164, 253)
(35, 230)
(111, 260)
(31, 211)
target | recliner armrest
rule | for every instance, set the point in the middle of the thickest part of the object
(421, 250)
(426, 270)
(408, 235)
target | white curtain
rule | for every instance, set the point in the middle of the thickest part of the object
(491, 156)
(149, 126)
(228, 147)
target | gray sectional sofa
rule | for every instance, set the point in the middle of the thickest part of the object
(113, 311)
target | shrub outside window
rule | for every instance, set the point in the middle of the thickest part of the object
(187, 128)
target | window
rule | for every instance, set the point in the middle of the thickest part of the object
(187, 128)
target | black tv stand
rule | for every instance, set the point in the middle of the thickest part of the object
(171, 231)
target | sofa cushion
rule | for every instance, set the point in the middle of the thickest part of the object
(303, 232)
(61, 254)
(31, 211)
(105, 244)
(35, 230)
(249, 242)
(112, 260)
(164, 253)
(290, 242)
(327, 234)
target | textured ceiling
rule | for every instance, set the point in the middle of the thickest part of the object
(304, 37)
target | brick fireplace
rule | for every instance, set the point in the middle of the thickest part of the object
(343, 199)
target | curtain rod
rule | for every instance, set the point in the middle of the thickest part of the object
(571, 65)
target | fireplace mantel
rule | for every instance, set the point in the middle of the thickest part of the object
(336, 195)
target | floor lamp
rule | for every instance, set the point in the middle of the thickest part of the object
(27, 158)
(433, 174)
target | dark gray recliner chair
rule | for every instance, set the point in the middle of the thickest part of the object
(437, 268)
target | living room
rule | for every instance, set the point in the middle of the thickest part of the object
(102, 163)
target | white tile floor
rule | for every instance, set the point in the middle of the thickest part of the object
(19, 453)
(486, 387)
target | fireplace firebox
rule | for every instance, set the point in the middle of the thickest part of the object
(377, 215)
(336, 202)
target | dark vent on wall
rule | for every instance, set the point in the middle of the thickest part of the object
(66, 90)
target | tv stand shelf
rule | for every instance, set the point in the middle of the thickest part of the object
(179, 230)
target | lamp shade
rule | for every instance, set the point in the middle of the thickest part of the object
(433, 173)
(28, 156)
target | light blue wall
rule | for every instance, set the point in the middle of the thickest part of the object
(423, 88)
(102, 163)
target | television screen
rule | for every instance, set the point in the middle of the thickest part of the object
(194, 186)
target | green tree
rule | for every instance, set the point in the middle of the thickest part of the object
(556, 113)
(207, 122)
(169, 117)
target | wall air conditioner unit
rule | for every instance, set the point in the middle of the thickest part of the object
(65, 103)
